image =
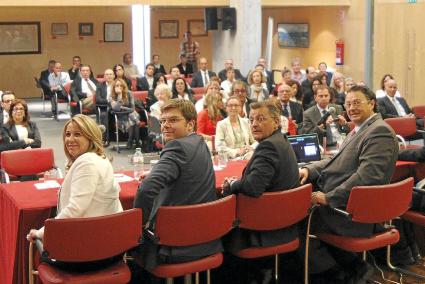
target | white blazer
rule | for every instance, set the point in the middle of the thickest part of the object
(224, 136)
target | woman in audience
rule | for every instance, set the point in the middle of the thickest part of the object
(323, 78)
(122, 104)
(211, 114)
(163, 94)
(314, 84)
(89, 189)
(338, 88)
(257, 86)
(297, 91)
(158, 78)
(21, 132)
(226, 85)
(381, 92)
(181, 91)
(233, 133)
(120, 74)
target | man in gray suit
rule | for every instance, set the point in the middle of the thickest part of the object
(184, 175)
(317, 119)
(367, 157)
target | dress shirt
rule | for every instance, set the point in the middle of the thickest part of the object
(85, 88)
(5, 117)
(399, 108)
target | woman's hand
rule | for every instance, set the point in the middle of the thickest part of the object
(28, 141)
(34, 234)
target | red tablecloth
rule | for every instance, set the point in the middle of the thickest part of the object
(23, 207)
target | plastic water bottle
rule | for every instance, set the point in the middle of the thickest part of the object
(138, 164)
(222, 157)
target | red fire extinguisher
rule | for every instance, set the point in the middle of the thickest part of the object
(339, 52)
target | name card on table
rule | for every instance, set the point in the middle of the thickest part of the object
(122, 178)
(47, 184)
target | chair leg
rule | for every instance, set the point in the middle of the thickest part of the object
(276, 268)
(307, 244)
(208, 276)
(117, 145)
(170, 281)
(188, 279)
(401, 270)
(31, 271)
(364, 255)
(197, 277)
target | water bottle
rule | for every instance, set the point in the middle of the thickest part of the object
(138, 164)
(222, 157)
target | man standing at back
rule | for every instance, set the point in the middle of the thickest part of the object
(190, 48)
(184, 175)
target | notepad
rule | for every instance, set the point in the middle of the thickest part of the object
(122, 178)
(47, 184)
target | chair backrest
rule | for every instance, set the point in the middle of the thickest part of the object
(419, 111)
(195, 224)
(273, 210)
(133, 86)
(88, 239)
(403, 126)
(140, 96)
(24, 162)
(380, 203)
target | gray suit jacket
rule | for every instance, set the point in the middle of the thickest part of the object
(367, 158)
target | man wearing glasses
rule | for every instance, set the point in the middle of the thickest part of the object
(6, 99)
(366, 157)
(184, 175)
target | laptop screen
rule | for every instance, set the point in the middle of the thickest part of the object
(306, 147)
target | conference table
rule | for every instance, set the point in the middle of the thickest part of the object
(24, 207)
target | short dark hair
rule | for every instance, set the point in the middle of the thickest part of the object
(125, 54)
(149, 64)
(52, 61)
(76, 56)
(368, 93)
(270, 105)
(27, 115)
(153, 55)
(324, 87)
(186, 108)
(383, 80)
(7, 93)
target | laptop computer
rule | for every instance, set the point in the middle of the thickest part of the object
(306, 148)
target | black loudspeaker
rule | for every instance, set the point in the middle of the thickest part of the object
(228, 19)
(210, 19)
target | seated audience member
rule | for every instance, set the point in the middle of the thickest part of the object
(290, 109)
(122, 104)
(163, 94)
(267, 73)
(158, 79)
(22, 132)
(296, 91)
(174, 74)
(89, 189)
(297, 74)
(273, 167)
(44, 79)
(315, 83)
(103, 97)
(306, 85)
(203, 75)
(6, 99)
(337, 87)
(367, 157)
(257, 91)
(391, 106)
(331, 127)
(233, 133)
(226, 85)
(240, 89)
(210, 115)
(119, 72)
(57, 81)
(323, 68)
(323, 78)
(74, 71)
(131, 70)
(348, 84)
(83, 89)
(381, 92)
(286, 75)
(159, 68)
(168, 184)
(212, 87)
(145, 83)
(228, 64)
(181, 90)
(185, 67)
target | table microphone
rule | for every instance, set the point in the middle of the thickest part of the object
(331, 111)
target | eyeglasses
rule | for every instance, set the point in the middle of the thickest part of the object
(354, 104)
(260, 119)
(171, 120)
(233, 105)
(18, 109)
(242, 91)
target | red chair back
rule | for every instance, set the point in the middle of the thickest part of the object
(403, 126)
(133, 86)
(140, 96)
(380, 203)
(88, 239)
(419, 111)
(195, 224)
(274, 210)
(25, 162)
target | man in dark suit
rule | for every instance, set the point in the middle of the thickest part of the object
(103, 96)
(185, 67)
(228, 64)
(367, 157)
(392, 106)
(203, 75)
(145, 83)
(184, 175)
(6, 100)
(44, 79)
(333, 126)
(289, 108)
(267, 73)
(83, 89)
(307, 86)
(74, 71)
(159, 68)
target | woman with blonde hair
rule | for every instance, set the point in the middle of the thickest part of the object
(89, 188)
(163, 94)
(257, 91)
(211, 114)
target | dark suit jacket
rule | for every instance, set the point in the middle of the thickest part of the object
(33, 133)
(296, 111)
(238, 75)
(367, 158)
(142, 84)
(197, 79)
(387, 108)
(102, 94)
(186, 72)
(184, 175)
(415, 155)
(273, 167)
(44, 83)
(308, 93)
(76, 92)
(161, 69)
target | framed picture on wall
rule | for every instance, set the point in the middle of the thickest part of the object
(59, 29)
(168, 29)
(197, 27)
(20, 38)
(85, 29)
(293, 35)
(113, 32)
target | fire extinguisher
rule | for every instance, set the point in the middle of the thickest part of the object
(339, 52)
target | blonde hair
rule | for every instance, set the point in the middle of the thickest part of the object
(90, 130)
(250, 81)
(210, 83)
(211, 104)
(163, 88)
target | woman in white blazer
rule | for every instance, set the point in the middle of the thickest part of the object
(233, 133)
(89, 188)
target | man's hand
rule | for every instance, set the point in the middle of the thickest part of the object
(341, 120)
(225, 186)
(303, 175)
(318, 197)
